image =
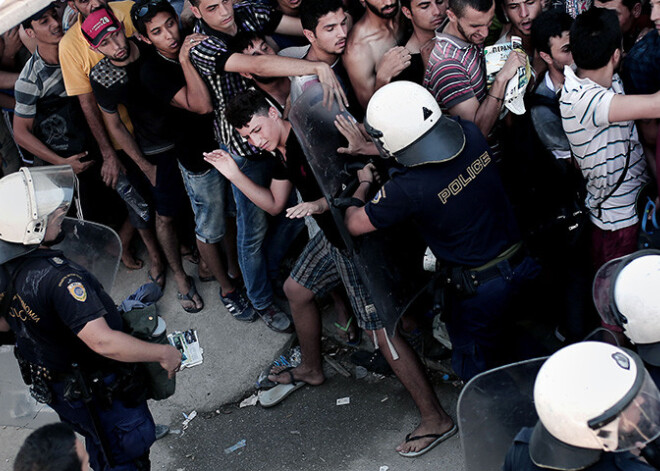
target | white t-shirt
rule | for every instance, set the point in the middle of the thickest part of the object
(600, 148)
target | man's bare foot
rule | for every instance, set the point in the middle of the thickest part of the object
(284, 375)
(429, 432)
(130, 261)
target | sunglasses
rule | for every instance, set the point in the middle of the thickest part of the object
(146, 7)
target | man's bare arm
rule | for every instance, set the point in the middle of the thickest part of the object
(361, 72)
(633, 107)
(486, 113)
(289, 25)
(276, 66)
(8, 79)
(25, 138)
(119, 346)
(111, 165)
(127, 142)
(195, 96)
(272, 200)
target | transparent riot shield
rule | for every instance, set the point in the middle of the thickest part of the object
(93, 246)
(389, 262)
(492, 408)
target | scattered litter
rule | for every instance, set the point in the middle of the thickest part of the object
(189, 417)
(360, 372)
(343, 401)
(249, 401)
(322, 459)
(384, 468)
(294, 432)
(335, 364)
(175, 432)
(217, 411)
(384, 399)
(233, 448)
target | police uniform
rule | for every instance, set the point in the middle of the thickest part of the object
(518, 459)
(54, 299)
(466, 219)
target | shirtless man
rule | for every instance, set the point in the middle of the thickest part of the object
(426, 16)
(373, 52)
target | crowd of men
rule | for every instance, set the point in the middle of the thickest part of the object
(163, 107)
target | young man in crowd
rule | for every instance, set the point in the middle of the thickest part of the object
(640, 74)
(551, 38)
(77, 60)
(633, 22)
(373, 53)
(221, 66)
(426, 16)
(41, 96)
(51, 125)
(520, 14)
(50, 448)
(325, 25)
(172, 79)
(322, 266)
(599, 122)
(277, 89)
(455, 74)
(116, 80)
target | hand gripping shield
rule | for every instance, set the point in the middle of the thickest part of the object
(389, 262)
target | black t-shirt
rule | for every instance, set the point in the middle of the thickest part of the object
(414, 72)
(296, 169)
(193, 132)
(114, 85)
(459, 205)
(55, 299)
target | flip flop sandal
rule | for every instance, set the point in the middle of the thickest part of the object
(158, 279)
(438, 439)
(273, 396)
(189, 296)
(351, 341)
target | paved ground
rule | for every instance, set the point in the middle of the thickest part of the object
(307, 431)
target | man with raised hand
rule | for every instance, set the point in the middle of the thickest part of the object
(456, 74)
(220, 65)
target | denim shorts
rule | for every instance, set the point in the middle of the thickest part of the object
(207, 192)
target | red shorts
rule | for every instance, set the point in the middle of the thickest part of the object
(608, 245)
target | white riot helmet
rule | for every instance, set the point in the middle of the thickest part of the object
(27, 198)
(592, 397)
(626, 292)
(405, 122)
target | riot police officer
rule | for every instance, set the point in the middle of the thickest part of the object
(595, 403)
(446, 182)
(69, 340)
(626, 294)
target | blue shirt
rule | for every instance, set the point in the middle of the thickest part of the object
(641, 67)
(459, 205)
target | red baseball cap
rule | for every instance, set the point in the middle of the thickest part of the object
(98, 25)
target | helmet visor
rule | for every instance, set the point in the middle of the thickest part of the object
(52, 188)
(637, 424)
(602, 292)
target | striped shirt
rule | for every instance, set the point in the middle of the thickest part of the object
(455, 72)
(37, 80)
(600, 148)
(209, 58)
